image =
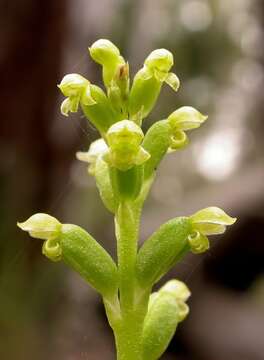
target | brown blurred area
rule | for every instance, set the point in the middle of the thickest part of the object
(46, 311)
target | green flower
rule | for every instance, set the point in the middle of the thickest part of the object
(183, 119)
(76, 88)
(124, 139)
(209, 221)
(148, 81)
(46, 227)
(158, 64)
(96, 149)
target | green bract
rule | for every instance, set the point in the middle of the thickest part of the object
(123, 162)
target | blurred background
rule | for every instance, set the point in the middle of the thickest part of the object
(47, 311)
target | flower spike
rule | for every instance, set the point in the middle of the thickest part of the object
(124, 163)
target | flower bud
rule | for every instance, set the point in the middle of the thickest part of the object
(105, 53)
(96, 149)
(184, 119)
(180, 293)
(209, 221)
(166, 309)
(177, 288)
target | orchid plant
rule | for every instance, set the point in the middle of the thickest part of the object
(124, 163)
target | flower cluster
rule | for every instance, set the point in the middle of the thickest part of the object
(123, 162)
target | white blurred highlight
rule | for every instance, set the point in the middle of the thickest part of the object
(196, 15)
(219, 155)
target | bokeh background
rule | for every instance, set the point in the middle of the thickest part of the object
(47, 311)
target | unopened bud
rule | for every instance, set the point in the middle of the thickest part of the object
(104, 51)
(177, 288)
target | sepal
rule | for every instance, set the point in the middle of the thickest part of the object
(96, 149)
(173, 81)
(41, 226)
(209, 221)
(183, 119)
(76, 89)
(159, 60)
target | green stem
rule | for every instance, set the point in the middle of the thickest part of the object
(127, 225)
(128, 338)
(128, 333)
